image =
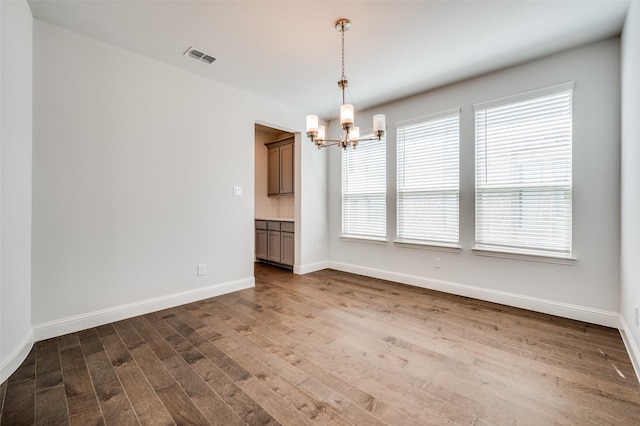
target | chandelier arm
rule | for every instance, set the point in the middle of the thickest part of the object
(335, 141)
(370, 138)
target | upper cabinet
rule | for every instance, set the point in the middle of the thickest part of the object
(280, 166)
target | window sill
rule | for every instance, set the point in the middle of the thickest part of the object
(428, 245)
(364, 239)
(523, 255)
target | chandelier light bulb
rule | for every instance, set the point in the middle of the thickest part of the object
(346, 115)
(320, 136)
(354, 134)
(379, 124)
(312, 123)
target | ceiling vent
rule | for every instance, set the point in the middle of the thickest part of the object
(200, 56)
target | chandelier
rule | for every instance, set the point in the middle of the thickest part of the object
(351, 135)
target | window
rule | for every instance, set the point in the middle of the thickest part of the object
(428, 178)
(523, 173)
(364, 190)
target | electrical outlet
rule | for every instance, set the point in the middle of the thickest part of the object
(635, 312)
(237, 191)
(202, 269)
(436, 262)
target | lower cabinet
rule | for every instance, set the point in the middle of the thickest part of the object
(273, 246)
(275, 242)
(261, 243)
(287, 245)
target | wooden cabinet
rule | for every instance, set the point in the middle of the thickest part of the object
(261, 239)
(280, 159)
(286, 168)
(275, 242)
(287, 246)
(273, 171)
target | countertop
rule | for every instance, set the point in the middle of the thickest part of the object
(277, 219)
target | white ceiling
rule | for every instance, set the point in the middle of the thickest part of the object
(289, 51)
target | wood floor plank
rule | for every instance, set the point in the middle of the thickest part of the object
(209, 403)
(284, 413)
(298, 397)
(329, 348)
(247, 409)
(113, 400)
(3, 391)
(258, 349)
(365, 401)
(82, 401)
(206, 348)
(18, 408)
(211, 374)
(181, 408)
(51, 402)
(152, 338)
(145, 402)
(48, 369)
(51, 406)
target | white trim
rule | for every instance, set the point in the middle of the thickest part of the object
(311, 267)
(530, 256)
(428, 245)
(566, 310)
(75, 323)
(551, 90)
(429, 117)
(631, 346)
(12, 361)
(364, 239)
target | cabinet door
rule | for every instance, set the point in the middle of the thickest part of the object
(286, 169)
(273, 246)
(261, 243)
(273, 171)
(287, 248)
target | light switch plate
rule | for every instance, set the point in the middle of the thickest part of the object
(237, 191)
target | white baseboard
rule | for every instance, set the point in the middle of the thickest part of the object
(566, 310)
(311, 267)
(631, 345)
(75, 323)
(13, 360)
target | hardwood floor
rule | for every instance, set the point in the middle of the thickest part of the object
(328, 348)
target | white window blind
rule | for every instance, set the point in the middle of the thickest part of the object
(428, 178)
(523, 172)
(364, 190)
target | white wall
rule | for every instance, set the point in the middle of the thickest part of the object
(311, 206)
(630, 173)
(134, 165)
(16, 334)
(587, 290)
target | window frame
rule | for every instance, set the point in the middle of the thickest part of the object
(449, 245)
(533, 253)
(380, 193)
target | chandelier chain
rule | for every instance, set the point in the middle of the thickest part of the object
(342, 31)
(343, 79)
